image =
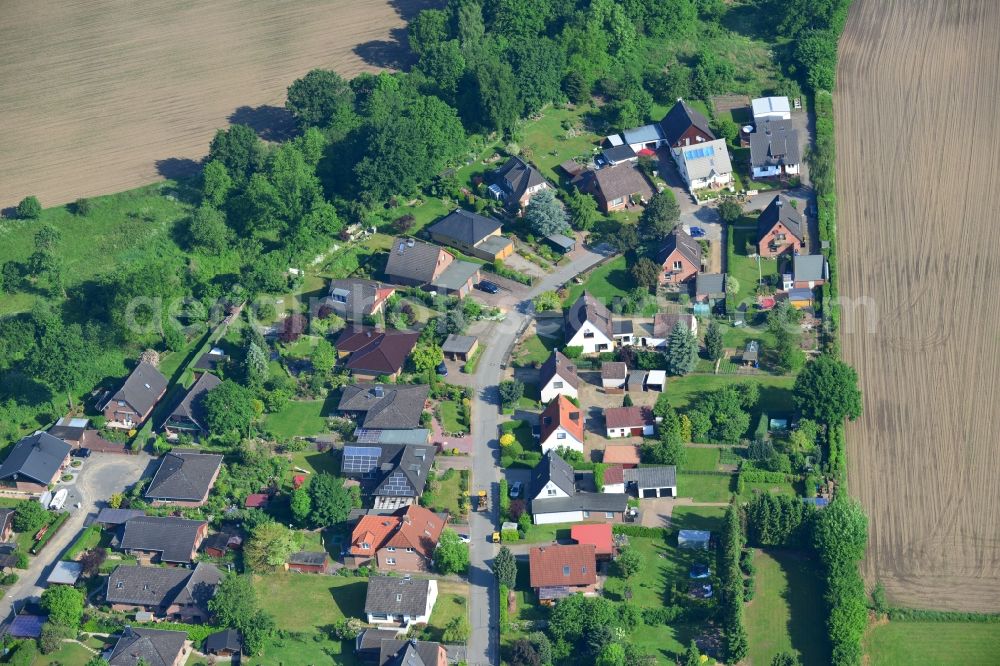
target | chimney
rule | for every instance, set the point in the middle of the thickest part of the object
(379, 391)
(401, 248)
(410, 242)
(778, 202)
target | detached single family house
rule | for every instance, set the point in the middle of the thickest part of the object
(632, 421)
(663, 326)
(154, 647)
(384, 406)
(393, 476)
(554, 498)
(168, 540)
(168, 593)
(402, 601)
(472, 234)
(370, 353)
(557, 376)
(680, 257)
(616, 187)
(132, 404)
(34, 463)
(589, 325)
(516, 182)
(557, 572)
(354, 299)
(705, 165)
(780, 229)
(184, 478)
(774, 150)
(402, 541)
(683, 126)
(188, 417)
(561, 425)
(419, 264)
(411, 652)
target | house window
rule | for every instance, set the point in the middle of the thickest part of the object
(365, 546)
(588, 334)
(678, 265)
(121, 403)
(617, 202)
(779, 237)
(409, 550)
(561, 435)
(340, 298)
(609, 514)
(550, 491)
(391, 549)
(565, 571)
(557, 385)
(586, 514)
(390, 560)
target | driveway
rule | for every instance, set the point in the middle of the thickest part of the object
(101, 475)
(484, 640)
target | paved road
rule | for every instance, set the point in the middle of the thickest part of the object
(484, 641)
(101, 475)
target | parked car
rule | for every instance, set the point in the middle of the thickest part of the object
(488, 287)
(81, 453)
(464, 538)
(697, 232)
(442, 369)
(515, 489)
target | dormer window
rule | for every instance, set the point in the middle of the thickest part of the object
(120, 585)
(365, 546)
(566, 571)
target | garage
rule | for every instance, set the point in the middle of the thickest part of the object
(652, 482)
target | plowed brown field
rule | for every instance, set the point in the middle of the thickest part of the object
(918, 163)
(98, 96)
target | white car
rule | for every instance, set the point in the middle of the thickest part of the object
(515, 489)
(464, 538)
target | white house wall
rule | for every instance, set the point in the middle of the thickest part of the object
(556, 491)
(554, 442)
(559, 517)
(590, 344)
(549, 391)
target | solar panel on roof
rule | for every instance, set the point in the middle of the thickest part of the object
(361, 459)
(698, 153)
(397, 484)
(366, 436)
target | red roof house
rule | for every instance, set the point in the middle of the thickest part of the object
(561, 426)
(559, 571)
(629, 421)
(597, 535)
(403, 541)
(257, 500)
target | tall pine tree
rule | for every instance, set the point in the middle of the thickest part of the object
(682, 350)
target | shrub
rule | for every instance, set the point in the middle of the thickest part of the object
(29, 208)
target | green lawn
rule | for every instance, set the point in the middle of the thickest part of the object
(741, 266)
(123, 228)
(705, 487)
(698, 518)
(701, 459)
(445, 495)
(301, 348)
(548, 145)
(452, 602)
(939, 643)
(326, 598)
(548, 533)
(534, 349)
(70, 654)
(784, 615)
(775, 392)
(451, 417)
(429, 210)
(605, 282)
(299, 418)
(315, 462)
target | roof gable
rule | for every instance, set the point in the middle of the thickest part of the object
(518, 176)
(184, 476)
(553, 468)
(173, 538)
(780, 211)
(397, 596)
(37, 457)
(679, 119)
(557, 365)
(589, 309)
(680, 241)
(558, 566)
(561, 413)
(465, 227)
(776, 142)
(414, 260)
(142, 389)
(189, 408)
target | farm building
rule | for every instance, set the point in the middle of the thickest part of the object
(659, 481)
(696, 539)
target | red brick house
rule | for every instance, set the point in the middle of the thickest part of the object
(34, 463)
(172, 593)
(559, 571)
(132, 404)
(780, 229)
(370, 353)
(152, 539)
(412, 262)
(683, 126)
(404, 541)
(184, 478)
(680, 257)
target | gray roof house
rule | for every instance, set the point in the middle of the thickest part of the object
(810, 268)
(659, 481)
(647, 136)
(552, 469)
(175, 540)
(184, 477)
(684, 123)
(354, 298)
(165, 591)
(109, 517)
(227, 641)
(394, 475)
(34, 462)
(188, 417)
(774, 146)
(417, 263)
(134, 401)
(385, 406)
(705, 164)
(410, 652)
(710, 285)
(780, 211)
(517, 181)
(472, 234)
(588, 309)
(155, 647)
(554, 497)
(404, 600)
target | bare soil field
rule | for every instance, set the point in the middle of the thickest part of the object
(99, 96)
(919, 191)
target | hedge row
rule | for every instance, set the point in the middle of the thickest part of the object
(49, 533)
(640, 531)
(509, 273)
(919, 615)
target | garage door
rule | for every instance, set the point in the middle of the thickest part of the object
(649, 492)
(637, 432)
(666, 492)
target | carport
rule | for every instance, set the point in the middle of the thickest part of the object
(649, 482)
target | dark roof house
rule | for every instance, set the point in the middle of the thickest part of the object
(557, 365)
(36, 459)
(188, 416)
(395, 474)
(616, 186)
(465, 228)
(385, 406)
(161, 587)
(414, 261)
(410, 652)
(227, 641)
(175, 539)
(374, 352)
(354, 298)
(154, 647)
(141, 390)
(780, 211)
(390, 595)
(711, 285)
(589, 309)
(554, 469)
(681, 242)
(519, 180)
(684, 123)
(774, 144)
(184, 477)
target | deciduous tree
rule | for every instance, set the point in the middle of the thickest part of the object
(29, 208)
(451, 556)
(64, 605)
(228, 408)
(318, 96)
(827, 391)
(268, 547)
(331, 501)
